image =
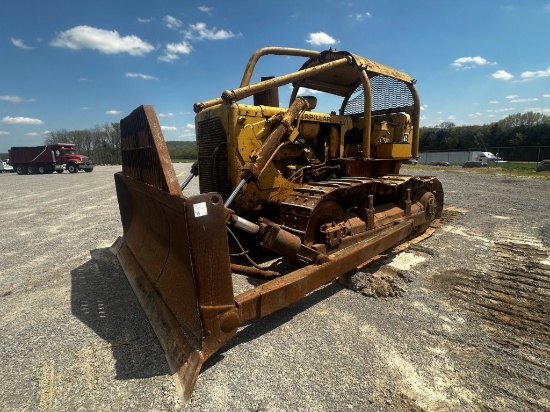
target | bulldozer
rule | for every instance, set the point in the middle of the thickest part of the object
(290, 195)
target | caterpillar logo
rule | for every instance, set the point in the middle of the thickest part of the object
(316, 117)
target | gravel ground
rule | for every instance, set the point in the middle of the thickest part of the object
(471, 332)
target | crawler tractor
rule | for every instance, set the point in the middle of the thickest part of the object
(292, 195)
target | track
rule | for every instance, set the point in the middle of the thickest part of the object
(316, 203)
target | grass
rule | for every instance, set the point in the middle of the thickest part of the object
(519, 169)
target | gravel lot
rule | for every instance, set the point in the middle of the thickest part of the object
(470, 333)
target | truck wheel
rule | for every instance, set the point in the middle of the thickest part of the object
(59, 170)
(72, 168)
(21, 170)
(42, 169)
(31, 170)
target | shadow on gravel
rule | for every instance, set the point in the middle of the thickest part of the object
(259, 327)
(102, 299)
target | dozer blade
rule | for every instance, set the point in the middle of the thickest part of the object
(174, 252)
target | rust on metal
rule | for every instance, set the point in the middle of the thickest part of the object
(181, 277)
(280, 292)
(144, 153)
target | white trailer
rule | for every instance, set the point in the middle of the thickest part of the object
(456, 157)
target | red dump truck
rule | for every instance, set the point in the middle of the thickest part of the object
(48, 159)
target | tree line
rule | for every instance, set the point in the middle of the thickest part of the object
(102, 142)
(182, 150)
(516, 130)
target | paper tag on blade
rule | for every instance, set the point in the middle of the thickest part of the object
(200, 209)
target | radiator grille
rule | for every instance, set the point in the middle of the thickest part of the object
(387, 93)
(212, 152)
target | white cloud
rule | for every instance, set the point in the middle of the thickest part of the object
(168, 57)
(200, 31)
(470, 62)
(173, 50)
(172, 22)
(141, 76)
(524, 100)
(546, 95)
(304, 91)
(3, 133)
(21, 120)
(359, 16)
(533, 75)
(20, 43)
(536, 109)
(179, 48)
(85, 108)
(112, 112)
(140, 20)
(169, 114)
(512, 96)
(169, 128)
(508, 109)
(493, 102)
(188, 132)
(204, 9)
(104, 41)
(13, 99)
(32, 134)
(502, 75)
(321, 39)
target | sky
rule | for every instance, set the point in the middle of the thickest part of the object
(80, 64)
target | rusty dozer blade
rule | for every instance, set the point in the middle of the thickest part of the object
(174, 252)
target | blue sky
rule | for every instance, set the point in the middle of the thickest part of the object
(77, 64)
